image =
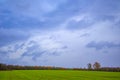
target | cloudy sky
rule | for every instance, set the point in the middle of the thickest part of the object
(65, 33)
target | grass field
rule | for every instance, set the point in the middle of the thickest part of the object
(58, 75)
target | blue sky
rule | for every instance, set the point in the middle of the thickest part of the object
(62, 33)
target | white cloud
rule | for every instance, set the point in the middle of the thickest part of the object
(70, 46)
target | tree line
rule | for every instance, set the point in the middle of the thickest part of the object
(18, 67)
(95, 67)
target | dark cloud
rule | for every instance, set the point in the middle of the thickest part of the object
(107, 7)
(9, 21)
(102, 44)
(85, 35)
(12, 16)
(10, 36)
(83, 24)
(17, 16)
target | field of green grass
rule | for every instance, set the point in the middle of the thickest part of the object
(58, 75)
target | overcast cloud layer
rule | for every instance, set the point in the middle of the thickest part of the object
(66, 33)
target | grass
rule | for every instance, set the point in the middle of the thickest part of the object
(58, 75)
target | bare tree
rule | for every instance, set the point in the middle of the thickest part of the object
(96, 65)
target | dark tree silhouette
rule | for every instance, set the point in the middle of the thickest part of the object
(89, 66)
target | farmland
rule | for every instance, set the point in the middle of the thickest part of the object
(58, 75)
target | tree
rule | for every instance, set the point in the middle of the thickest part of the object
(89, 66)
(96, 65)
(3, 66)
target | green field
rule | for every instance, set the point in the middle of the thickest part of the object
(58, 75)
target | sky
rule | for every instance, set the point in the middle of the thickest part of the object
(64, 33)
